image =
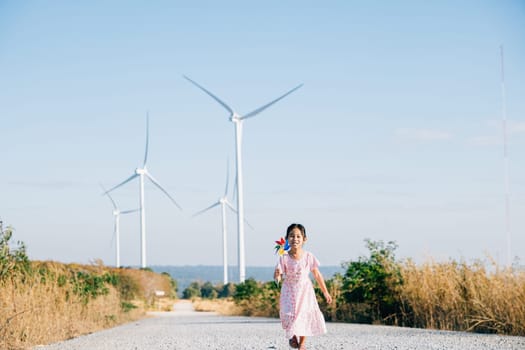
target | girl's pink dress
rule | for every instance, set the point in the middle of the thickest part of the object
(299, 311)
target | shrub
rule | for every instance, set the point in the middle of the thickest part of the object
(227, 290)
(247, 290)
(192, 291)
(373, 282)
(257, 298)
(208, 291)
(13, 260)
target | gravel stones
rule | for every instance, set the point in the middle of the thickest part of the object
(185, 329)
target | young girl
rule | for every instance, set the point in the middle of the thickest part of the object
(299, 311)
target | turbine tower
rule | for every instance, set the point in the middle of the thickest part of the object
(238, 119)
(223, 202)
(143, 172)
(116, 230)
(505, 159)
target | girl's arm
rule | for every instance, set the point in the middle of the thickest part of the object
(277, 275)
(320, 280)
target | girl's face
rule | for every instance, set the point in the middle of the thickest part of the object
(295, 238)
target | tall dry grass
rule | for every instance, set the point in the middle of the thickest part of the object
(456, 296)
(459, 296)
(50, 304)
(146, 283)
(226, 307)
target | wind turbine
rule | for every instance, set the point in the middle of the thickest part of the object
(223, 202)
(143, 172)
(116, 230)
(237, 119)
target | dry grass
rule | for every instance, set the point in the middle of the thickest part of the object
(45, 307)
(431, 293)
(147, 283)
(497, 301)
(226, 307)
(163, 304)
(457, 296)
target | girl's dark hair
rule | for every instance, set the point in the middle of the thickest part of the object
(298, 226)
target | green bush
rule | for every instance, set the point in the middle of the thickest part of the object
(227, 290)
(371, 285)
(208, 291)
(89, 285)
(192, 291)
(13, 260)
(247, 290)
(257, 298)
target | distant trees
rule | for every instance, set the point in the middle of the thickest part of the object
(207, 290)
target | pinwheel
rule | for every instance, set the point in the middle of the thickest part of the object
(282, 246)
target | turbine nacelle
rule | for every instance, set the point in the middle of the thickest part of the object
(235, 118)
(141, 171)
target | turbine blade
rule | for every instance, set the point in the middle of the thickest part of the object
(249, 225)
(222, 103)
(227, 176)
(206, 209)
(129, 211)
(260, 109)
(122, 183)
(156, 183)
(230, 206)
(110, 198)
(113, 236)
(235, 211)
(147, 140)
(235, 188)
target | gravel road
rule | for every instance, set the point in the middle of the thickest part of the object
(189, 330)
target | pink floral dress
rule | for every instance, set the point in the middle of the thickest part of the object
(299, 311)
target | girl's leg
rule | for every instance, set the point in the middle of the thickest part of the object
(302, 341)
(294, 343)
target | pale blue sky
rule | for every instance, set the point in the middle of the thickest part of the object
(395, 135)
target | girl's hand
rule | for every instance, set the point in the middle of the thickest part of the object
(277, 276)
(328, 298)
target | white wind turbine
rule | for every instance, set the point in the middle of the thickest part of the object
(223, 202)
(116, 230)
(237, 119)
(141, 173)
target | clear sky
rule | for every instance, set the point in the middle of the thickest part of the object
(395, 135)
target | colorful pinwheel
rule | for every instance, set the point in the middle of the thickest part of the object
(282, 246)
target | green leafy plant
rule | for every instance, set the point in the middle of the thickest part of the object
(372, 283)
(192, 291)
(246, 290)
(13, 259)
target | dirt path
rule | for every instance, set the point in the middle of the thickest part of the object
(185, 329)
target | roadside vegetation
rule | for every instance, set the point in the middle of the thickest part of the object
(378, 289)
(45, 301)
